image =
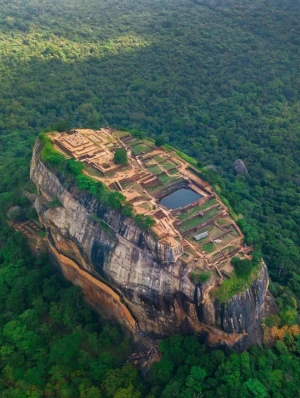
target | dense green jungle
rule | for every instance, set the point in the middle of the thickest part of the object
(218, 79)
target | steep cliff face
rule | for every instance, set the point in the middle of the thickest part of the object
(242, 313)
(128, 276)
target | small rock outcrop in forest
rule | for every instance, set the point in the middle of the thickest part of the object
(158, 284)
(239, 167)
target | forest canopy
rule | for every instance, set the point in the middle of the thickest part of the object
(217, 79)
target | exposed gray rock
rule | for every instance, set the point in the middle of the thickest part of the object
(14, 213)
(239, 167)
(30, 196)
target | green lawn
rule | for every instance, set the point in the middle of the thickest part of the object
(155, 170)
(194, 210)
(208, 247)
(159, 158)
(190, 224)
(168, 165)
(210, 213)
(134, 141)
(121, 134)
(234, 231)
(209, 203)
(197, 220)
(222, 222)
(188, 213)
(173, 172)
(140, 148)
(165, 179)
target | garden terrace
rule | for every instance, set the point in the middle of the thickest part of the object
(160, 183)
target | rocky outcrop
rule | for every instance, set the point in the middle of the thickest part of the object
(242, 313)
(239, 167)
(130, 277)
(14, 213)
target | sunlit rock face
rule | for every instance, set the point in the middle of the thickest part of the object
(128, 276)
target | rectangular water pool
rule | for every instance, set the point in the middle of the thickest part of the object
(180, 198)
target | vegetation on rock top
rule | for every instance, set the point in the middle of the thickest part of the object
(74, 170)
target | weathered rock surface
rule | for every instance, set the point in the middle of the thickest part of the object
(130, 277)
(239, 167)
(14, 212)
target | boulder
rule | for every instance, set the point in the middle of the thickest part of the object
(14, 213)
(239, 167)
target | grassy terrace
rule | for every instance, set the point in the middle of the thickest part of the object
(156, 167)
(165, 179)
(121, 134)
(140, 148)
(159, 158)
(197, 220)
(190, 224)
(223, 221)
(190, 212)
(209, 247)
(155, 170)
(211, 229)
(168, 165)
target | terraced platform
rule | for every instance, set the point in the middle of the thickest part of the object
(202, 224)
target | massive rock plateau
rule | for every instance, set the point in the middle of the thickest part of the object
(128, 276)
